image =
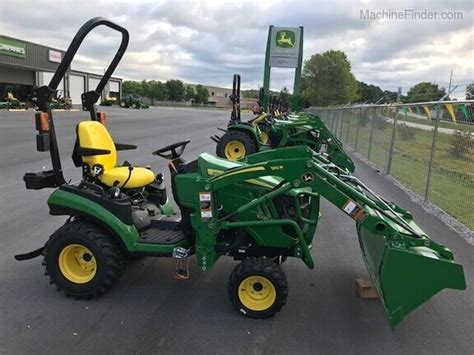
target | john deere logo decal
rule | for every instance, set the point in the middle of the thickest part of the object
(307, 178)
(285, 39)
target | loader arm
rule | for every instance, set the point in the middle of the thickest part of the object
(405, 265)
(334, 147)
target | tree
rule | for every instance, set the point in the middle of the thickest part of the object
(370, 93)
(285, 98)
(327, 79)
(189, 93)
(132, 88)
(156, 91)
(250, 94)
(175, 89)
(202, 94)
(146, 89)
(425, 91)
(470, 92)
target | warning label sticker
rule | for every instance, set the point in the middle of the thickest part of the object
(354, 210)
(205, 205)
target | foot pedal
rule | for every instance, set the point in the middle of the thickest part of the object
(180, 255)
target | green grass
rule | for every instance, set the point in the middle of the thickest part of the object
(452, 182)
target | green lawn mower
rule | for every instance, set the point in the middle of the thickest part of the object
(259, 211)
(60, 102)
(11, 102)
(132, 101)
(276, 130)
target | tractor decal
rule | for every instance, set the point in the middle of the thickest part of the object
(256, 168)
(307, 178)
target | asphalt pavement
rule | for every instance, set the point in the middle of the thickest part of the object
(148, 311)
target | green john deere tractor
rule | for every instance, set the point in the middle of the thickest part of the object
(276, 130)
(259, 212)
(132, 101)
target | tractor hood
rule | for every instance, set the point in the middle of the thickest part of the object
(210, 165)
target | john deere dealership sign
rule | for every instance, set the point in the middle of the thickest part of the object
(285, 47)
(12, 48)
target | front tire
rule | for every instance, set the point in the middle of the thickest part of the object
(258, 288)
(82, 260)
(235, 145)
(123, 104)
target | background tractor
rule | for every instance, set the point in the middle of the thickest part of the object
(132, 101)
(259, 212)
(276, 130)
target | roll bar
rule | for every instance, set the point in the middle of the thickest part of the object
(41, 96)
(235, 98)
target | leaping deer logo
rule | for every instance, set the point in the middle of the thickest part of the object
(285, 39)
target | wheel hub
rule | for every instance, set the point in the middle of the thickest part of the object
(257, 293)
(77, 263)
(235, 150)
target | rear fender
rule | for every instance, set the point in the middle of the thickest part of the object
(251, 131)
(67, 203)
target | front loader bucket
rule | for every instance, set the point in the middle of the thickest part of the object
(407, 274)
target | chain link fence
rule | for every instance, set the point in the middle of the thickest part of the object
(428, 147)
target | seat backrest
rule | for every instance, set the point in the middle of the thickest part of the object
(93, 134)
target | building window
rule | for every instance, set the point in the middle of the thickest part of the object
(225, 95)
(212, 93)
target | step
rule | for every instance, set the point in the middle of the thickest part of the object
(161, 236)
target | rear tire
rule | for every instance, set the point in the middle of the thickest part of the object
(82, 260)
(123, 104)
(258, 288)
(235, 145)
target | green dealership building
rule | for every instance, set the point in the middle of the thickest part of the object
(25, 65)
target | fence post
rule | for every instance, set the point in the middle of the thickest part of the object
(432, 153)
(371, 131)
(392, 143)
(357, 129)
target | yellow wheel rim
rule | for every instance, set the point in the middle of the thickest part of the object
(77, 263)
(264, 137)
(234, 150)
(257, 293)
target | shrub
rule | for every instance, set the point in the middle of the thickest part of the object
(405, 132)
(461, 144)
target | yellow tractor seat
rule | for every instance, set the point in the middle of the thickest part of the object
(96, 148)
(140, 177)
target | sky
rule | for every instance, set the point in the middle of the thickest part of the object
(206, 42)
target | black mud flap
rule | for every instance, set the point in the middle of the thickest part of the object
(30, 255)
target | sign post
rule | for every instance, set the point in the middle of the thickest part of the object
(284, 50)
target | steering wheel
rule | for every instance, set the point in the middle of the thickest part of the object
(172, 151)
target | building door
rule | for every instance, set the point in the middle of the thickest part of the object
(76, 88)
